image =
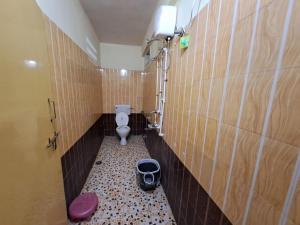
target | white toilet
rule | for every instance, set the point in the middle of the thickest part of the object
(122, 119)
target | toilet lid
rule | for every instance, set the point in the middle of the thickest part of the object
(122, 119)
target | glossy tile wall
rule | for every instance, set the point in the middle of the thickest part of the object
(190, 203)
(232, 106)
(76, 83)
(149, 100)
(79, 159)
(122, 88)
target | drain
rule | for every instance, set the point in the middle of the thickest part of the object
(98, 162)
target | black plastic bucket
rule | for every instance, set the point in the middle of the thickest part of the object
(148, 174)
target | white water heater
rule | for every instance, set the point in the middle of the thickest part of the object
(164, 22)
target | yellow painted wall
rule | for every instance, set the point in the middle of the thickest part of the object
(247, 165)
(31, 190)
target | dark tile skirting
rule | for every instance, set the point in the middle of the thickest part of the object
(190, 203)
(79, 159)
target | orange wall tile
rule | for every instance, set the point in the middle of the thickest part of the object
(77, 87)
(233, 104)
(118, 89)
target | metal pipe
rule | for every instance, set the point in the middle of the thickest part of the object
(163, 99)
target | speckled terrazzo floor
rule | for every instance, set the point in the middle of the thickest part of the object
(114, 181)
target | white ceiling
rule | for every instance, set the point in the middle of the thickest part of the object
(120, 21)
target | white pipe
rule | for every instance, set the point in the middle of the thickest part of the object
(163, 96)
(160, 84)
(156, 93)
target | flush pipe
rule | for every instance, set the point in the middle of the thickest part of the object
(160, 85)
(164, 69)
(155, 124)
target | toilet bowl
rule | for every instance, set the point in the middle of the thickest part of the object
(123, 132)
(122, 119)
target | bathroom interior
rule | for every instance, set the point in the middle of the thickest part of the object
(143, 112)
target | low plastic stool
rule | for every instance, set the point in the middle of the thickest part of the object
(83, 207)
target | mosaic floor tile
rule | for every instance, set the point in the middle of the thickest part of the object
(114, 181)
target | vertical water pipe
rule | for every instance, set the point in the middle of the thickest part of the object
(164, 69)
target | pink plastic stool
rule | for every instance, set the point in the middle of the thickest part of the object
(83, 207)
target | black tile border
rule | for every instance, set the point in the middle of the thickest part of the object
(190, 203)
(78, 160)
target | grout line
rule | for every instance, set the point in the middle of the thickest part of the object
(63, 98)
(174, 87)
(200, 82)
(233, 29)
(107, 73)
(181, 133)
(291, 193)
(178, 101)
(172, 95)
(210, 87)
(76, 90)
(112, 83)
(242, 102)
(56, 83)
(192, 83)
(71, 101)
(183, 107)
(269, 109)
(65, 77)
(106, 91)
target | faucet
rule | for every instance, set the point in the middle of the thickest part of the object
(154, 125)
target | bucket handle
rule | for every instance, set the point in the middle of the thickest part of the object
(153, 179)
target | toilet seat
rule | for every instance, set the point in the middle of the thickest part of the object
(123, 128)
(122, 119)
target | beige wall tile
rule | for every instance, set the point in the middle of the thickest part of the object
(285, 120)
(197, 148)
(183, 118)
(272, 184)
(246, 8)
(292, 51)
(226, 14)
(204, 91)
(206, 170)
(262, 212)
(294, 215)
(78, 91)
(241, 177)
(269, 30)
(220, 177)
(124, 90)
(222, 53)
(241, 46)
(256, 102)
(233, 100)
(208, 60)
(216, 98)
